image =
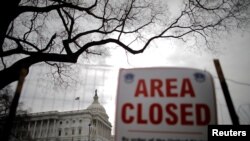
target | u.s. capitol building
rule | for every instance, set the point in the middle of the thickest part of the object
(90, 124)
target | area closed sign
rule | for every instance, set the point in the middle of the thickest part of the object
(164, 104)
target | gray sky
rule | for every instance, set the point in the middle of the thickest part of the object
(40, 94)
(232, 51)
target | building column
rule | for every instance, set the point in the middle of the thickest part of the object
(34, 130)
(98, 127)
(41, 127)
(54, 129)
(28, 129)
(47, 129)
(101, 129)
(105, 131)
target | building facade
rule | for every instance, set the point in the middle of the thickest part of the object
(90, 124)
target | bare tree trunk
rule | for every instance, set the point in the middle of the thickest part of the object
(12, 113)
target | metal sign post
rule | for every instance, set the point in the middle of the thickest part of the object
(224, 87)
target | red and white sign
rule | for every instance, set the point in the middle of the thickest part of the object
(163, 104)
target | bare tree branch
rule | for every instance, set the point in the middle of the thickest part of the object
(60, 31)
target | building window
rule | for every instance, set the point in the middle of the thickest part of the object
(80, 131)
(80, 121)
(60, 122)
(73, 121)
(73, 131)
(59, 133)
(66, 131)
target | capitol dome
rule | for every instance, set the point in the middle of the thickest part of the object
(96, 107)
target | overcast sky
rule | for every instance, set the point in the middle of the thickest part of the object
(233, 51)
(40, 94)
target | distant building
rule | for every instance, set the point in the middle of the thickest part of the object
(90, 124)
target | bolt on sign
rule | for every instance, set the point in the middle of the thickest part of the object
(164, 104)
